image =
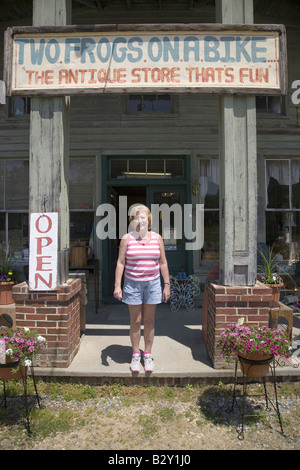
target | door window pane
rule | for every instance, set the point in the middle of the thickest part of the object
(169, 222)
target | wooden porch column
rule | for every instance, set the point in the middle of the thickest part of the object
(238, 173)
(49, 143)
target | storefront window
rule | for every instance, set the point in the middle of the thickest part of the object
(14, 192)
(283, 208)
(81, 200)
(18, 235)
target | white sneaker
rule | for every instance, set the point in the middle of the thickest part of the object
(135, 362)
(148, 363)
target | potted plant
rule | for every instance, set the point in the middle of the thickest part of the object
(19, 347)
(269, 269)
(7, 280)
(254, 346)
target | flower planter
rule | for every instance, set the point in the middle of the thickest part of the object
(7, 370)
(255, 365)
(275, 291)
(6, 293)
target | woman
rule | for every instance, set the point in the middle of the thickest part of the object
(141, 258)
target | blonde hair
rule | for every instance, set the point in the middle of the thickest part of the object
(135, 208)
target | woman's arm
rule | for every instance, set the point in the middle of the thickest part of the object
(120, 268)
(164, 269)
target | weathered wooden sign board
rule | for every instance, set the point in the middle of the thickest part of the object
(43, 248)
(205, 58)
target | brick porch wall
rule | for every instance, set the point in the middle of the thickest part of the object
(56, 316)
(226, 304)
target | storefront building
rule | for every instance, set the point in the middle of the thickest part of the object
(159, 147)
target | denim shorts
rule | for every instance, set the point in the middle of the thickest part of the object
(142, 292)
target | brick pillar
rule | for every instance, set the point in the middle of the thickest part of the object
(226, 304)
(55, 315)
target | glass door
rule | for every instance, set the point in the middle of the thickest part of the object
(168, 222)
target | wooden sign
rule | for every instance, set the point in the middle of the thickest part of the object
(43, 251)
(200, 58)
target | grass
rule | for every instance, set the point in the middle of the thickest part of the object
(159, 419)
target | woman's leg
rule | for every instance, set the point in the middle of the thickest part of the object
(149, 320)
(135, 326)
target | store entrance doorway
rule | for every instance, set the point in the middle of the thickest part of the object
(178, 258)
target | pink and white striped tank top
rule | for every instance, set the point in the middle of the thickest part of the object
(142, 260)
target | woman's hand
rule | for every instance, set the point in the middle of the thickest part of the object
(118, 293)
(166, 293)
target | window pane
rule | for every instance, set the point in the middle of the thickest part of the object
(137, 168)
(18, 235)
(2, 185)
(135, 103)
(17, 184)
(174, 168)
(2, 235)
(81, 224)
(268, 104)
(209, 183)
(277, 180)
(296, 237)
(283, 233)
(149, 104)
(261, 104)
(274, 104)
(163, 104)
(296, 184)
(20, 106)
(156, 168)
(210, 250)
(81, 184)
(118, 168)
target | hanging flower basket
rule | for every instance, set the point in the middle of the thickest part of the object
(12, 370)
(6, 293)
(255, 365)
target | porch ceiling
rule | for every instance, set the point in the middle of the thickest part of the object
(21, 10)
